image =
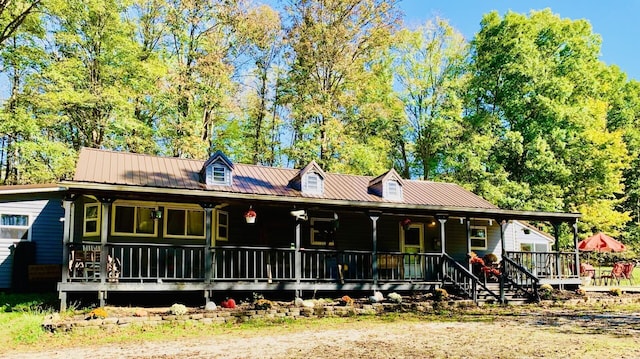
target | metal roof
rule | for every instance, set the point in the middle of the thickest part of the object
(137, 173)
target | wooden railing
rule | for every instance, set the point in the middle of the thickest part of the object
(396, 266)
(462, 278)
(144, 262)
(153, 262)
(252, 263)
(547, 264)
(518, 277)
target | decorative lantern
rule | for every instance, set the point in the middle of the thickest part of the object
(250, 216)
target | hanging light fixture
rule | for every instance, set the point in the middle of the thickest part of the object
(250, 215)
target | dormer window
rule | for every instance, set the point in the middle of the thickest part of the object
(387, 186)
(217, 170)
(310, 179)
(312, 183)
(219, 174)
(393, 190)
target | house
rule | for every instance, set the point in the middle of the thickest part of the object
(30, 235)
(136, 222)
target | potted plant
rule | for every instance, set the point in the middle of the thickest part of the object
(250, 216)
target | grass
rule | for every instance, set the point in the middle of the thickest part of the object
(22, 316)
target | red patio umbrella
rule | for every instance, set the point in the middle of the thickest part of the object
(600, 243)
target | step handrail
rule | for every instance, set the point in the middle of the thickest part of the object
(529, 283)
(461, 271)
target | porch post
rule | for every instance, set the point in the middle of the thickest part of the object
(67, 236)
(374, 216)
(298, 259)
(208, 235)
(575, 248)
(104, 233)
(442, 218)
(503, 225)
(468, 225)
(557, 256)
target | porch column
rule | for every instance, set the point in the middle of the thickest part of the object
(374, 216)
(576, 268)
(468, 226)
(67, 236)
(442, 218)
(503, 251)
(298, 259)
(104, 234)
(208, 239)
(556, 234)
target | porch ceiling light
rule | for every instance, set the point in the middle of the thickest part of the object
(250, 215)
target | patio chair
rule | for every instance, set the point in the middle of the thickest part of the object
(616, 274)
(628, 271)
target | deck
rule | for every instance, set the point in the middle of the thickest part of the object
(133, 267)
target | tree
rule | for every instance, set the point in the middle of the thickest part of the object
(537, 91)
(430, 72)
(331, 42)
(13, 13)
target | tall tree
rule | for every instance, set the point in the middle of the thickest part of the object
(537, 91)
(430, 72)
(331, 42)
(13, 13)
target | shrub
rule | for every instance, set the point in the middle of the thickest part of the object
(546, 291)
(615, 292)
(440, 294)
(262, 304)
(178, 309)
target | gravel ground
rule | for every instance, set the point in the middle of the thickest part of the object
(551, 334)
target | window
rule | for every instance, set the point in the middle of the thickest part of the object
(134, 220)
(222, 226)
(478, 237)
(184, 223)
(92, 219)
(312, 183)
(14, 226)
(393, 190)
(322, 231)
(219, 174)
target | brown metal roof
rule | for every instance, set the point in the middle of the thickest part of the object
(120, 168)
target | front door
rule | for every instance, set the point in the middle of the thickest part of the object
(412, 243)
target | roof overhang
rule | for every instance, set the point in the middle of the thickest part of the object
(30, 191)
(385, 207)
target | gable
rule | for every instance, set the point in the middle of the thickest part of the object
(388, 186)
(217, 170)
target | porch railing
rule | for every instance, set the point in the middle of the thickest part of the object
(144, 262)
(547, 264)
(461, 277)
(520, 278)
(253, 263)
(396, 266)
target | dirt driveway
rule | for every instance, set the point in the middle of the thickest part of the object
(558, 334)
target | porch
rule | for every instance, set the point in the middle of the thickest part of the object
(130, 267)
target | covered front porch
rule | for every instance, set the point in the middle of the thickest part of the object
(135, 267)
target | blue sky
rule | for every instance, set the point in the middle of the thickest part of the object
(617, 21)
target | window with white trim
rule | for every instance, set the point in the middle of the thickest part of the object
(222, 226)
(15, 226)
(319, 229)
(134, 220)
(219, 174)
(91, 219)
(312, 183)
(184, 223)
(393, 190)
(478, 237)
